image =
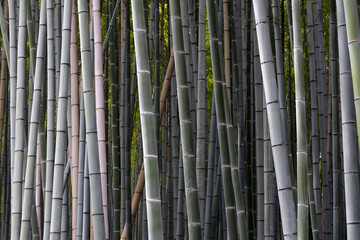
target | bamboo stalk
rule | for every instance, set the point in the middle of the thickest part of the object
(184, 102)
(74, 121)
(19, 125)
(147, 120)
(50, 121)
(34, 125)
(348, 119)
(282, 169)
(100, 111)
(97, 212)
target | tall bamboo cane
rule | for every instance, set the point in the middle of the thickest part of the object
(61, 125)
(259, 137)
(82, 152)
(50, 121)
(13, 82)
(74, 120)
(348, 118)
(191, 192)
(91, 136)
(19, 125)
(33, 134)
(282, 169)
(100, 113)
(147, 120)
(335, 122)
(353, 30)
(201, 111)
(303, 206)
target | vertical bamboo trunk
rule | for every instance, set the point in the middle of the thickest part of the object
(348, 118)
(282, 169)
(74, 120)
(227, 48)
(226, 139)
(19, 125)
(188, 150)
(353, 29)
(100, 112)
(147, 120)
(335, 122)
(61, 125)
(82, 152)
(33, 134)
(50, 121)
(201, 117)
(13, 81)
(97, 212)
(314, 116)
(259, 137)
(269, 195)
(301, 154)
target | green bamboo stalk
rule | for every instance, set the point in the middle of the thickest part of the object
(269, 196)
(302, 193)
(147, 120)
(353, 30)
(259, 137)
(180, 219)
(32, 48)
(201, 111)
(128, 120)
(34, 125)
(111, 25)
(58, 43)
(189, 71)
(189, 161)
(322, 99)
(282, 169)
(13, 81)
(225, 163)
(280, 70)
(61, 125)
(91, 136)
(210, 171)
(86, 204)
(82, 152)
(19, 125)
(50, 121)
(224, 119)
(314, 115)
(114, 136)
(348, 118)
(335, 122)
(313, 173)
(174, 148)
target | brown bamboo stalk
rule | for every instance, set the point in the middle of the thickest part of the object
(227, 47)
(166, 84)
(100, 107)
(74, 118)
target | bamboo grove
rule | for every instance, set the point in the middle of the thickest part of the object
(179, 119)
